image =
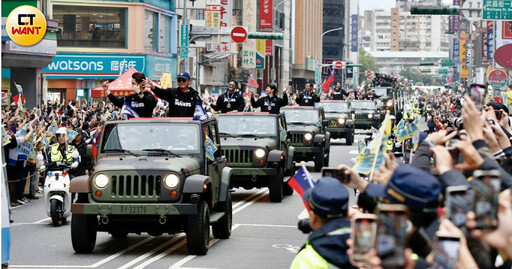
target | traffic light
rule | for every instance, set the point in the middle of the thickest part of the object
(261, 35)
(435, 10)
(426, 63)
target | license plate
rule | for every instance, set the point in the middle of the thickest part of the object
(125, 209)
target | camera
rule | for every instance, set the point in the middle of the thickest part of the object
(459, 124)
(304, 226)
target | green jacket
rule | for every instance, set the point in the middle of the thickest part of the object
(56, 156)
(308, 258)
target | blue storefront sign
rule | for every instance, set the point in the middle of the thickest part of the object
(107, 66)
(456, 49)
(354, 30)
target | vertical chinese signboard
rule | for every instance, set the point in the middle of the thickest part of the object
(260, 53)
(226, 13)
(354, 30)
(463, 42)
(266, 15)
(249, 47)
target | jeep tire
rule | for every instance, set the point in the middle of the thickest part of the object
(319, 161)
(276, 186)
(198, 230)
(287, 190)
(222, 228)
(83, 232)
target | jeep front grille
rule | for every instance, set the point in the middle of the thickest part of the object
(363, 116)
(296, 138)
(136, 186)
(238, 156)
(333, 123)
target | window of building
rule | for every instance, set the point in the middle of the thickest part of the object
(165, 34)
(150, 26)
(85, 26)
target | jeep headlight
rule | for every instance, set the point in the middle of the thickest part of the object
(389, 103)
(171, 181)
(101, 181)
(370, 115)
(308, 136)
(259, 153)
(341, 121)
(353, 115)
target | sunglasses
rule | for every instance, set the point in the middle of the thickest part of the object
(231, 85)
(182, 80)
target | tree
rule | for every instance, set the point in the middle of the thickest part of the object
(368, 63)
(426, 79)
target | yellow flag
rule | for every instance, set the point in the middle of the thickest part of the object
(165, 81)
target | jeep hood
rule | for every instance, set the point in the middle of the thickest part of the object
(303, 128)
(112, 163)
(247, 142)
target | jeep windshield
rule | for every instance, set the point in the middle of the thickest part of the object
(252, 126)
(301, 116)
(362, 104)
(147, 138)
(333, 106)
(381, 92)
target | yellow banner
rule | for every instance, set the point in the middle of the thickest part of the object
(165, 81)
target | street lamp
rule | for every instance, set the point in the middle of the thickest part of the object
(320, 46)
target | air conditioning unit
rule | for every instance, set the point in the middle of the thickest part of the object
(210, 47)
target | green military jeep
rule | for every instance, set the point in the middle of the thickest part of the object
(308, 135)
(157, 176)
(365, 114)
(257, 151)
(341, 124)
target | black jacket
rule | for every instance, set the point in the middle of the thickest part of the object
(143, 106)
(339, 95)
(235, 102)
(275, 103)
(84, 164)
(307, 99)
(330, 242)
(181, 104)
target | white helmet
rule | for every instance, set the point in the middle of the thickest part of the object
(61, 130)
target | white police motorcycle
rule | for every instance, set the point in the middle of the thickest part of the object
(56, 190)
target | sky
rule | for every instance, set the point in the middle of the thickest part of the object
(375, 4)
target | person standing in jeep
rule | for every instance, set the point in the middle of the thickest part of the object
(182, 100)
(142, 101)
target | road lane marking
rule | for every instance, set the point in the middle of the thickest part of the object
(262, 194)
(190, 257)
(304, 214)
(121, 252)
(269, 225)
(247, 198)
(41, 221)
(153, 251)
(353, 152)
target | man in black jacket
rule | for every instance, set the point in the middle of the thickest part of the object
(308, 97)
(270, 103)
(232, 100)
(142, 101)
(339, 93)
(182, 100)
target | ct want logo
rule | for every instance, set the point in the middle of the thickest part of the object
(26, 25)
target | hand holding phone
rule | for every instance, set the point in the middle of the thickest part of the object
(486, 188)
(478, 93)
(446, 250)
(458, 200)
(336, 173)
(364, 235)
(392, 234)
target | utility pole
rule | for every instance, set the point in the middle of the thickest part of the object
(183, 62)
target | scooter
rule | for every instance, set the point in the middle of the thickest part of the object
(56, 192)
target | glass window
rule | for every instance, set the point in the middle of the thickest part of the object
(252, 125)
(165, 34)
(301, 116)
(83, 26)
(150, 25)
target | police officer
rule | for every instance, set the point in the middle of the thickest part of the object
(326, 247)
(232, 100)
(142, 101)
(308, 97)
(270, 103)
(182, 100)
(61, 151)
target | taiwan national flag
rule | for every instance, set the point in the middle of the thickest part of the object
(200, 112)
(301, 182)
(128, 110)
(327, 83)
(94, 142)
(252, 81)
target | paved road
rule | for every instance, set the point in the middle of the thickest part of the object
(265, 235)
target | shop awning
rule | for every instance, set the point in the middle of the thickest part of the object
(121, 86)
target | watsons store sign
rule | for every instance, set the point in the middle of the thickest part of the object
(93, 66)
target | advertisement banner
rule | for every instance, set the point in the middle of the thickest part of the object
(226, 13)
(260, 53)
(249, 47)
(463, 42)
(455, 20)
(354, 30)
(483, 52)
(269, 47)
(490, 40)
(456, 49)
(266, 14)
